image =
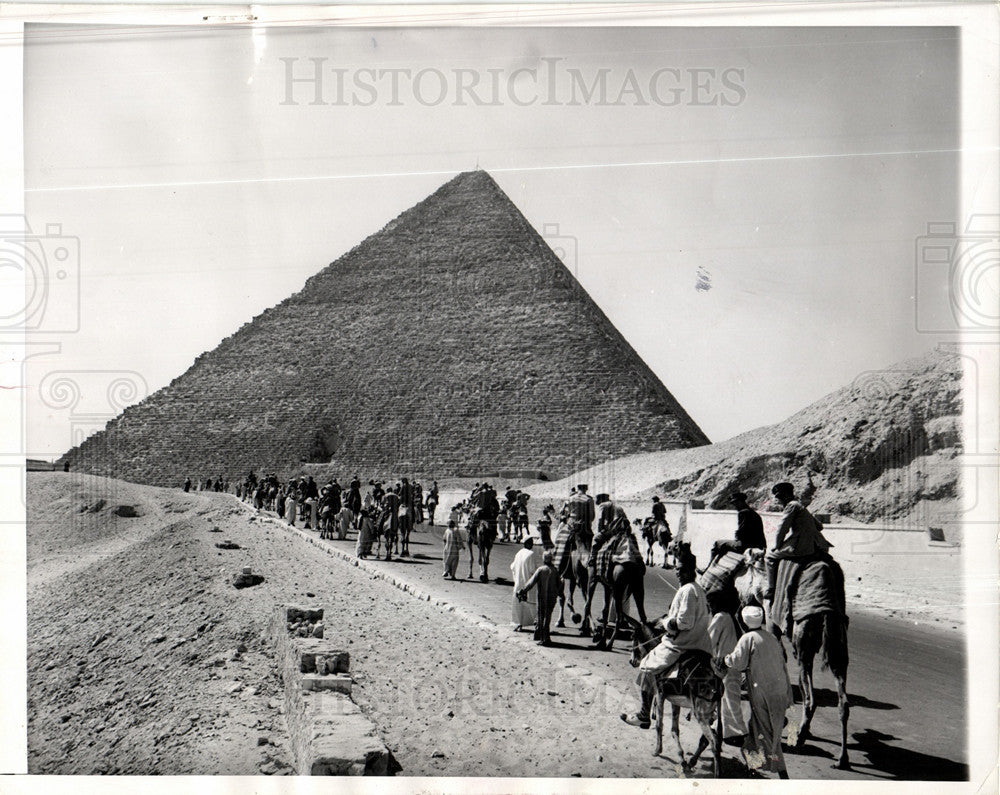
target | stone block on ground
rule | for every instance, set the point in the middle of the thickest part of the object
(295, 613)
(337, 660)
(341, 683)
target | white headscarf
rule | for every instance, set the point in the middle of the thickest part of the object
(753, 616)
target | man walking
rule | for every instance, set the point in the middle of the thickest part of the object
(759, 653)
(524, 565)
(546, 580)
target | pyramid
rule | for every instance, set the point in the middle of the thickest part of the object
(452, 342)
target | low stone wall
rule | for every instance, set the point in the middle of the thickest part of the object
(330, 736)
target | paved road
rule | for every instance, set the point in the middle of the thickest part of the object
(906, 683)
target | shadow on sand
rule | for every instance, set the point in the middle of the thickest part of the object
(828, 698)
(887, 762)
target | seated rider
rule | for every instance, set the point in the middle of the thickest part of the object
(687, 629)
(749, 530)
(800, 536)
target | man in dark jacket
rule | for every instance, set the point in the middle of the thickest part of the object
(749, 530)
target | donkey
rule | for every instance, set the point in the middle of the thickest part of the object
(697, 686)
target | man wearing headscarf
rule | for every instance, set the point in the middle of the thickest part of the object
(800, 535)
(759, 654)
(686, 625)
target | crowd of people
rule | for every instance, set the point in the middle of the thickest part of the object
(711, 621)
(379, 513)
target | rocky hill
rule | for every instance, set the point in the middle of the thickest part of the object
(452, 342)
(883, 447)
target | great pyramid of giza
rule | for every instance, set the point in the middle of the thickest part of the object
(452, 342)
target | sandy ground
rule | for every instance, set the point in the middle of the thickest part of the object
(143, 658)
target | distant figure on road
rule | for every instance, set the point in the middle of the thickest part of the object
(366, 535)
(291, 506)
(187, 484)
(661, 527)
(431, 502)
(388, 523)
(345, 519)
(452, 549)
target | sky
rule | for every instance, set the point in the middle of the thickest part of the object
(745, 204)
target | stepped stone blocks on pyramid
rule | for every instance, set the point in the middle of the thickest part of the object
(452, 341)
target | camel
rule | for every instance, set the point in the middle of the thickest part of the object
(696, 687)
(820, 630)
(482, 533)
(572, 571)
(649, 535)
(620, 581)
(403, 534)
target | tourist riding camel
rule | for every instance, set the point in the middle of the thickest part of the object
(580, 513)
(800, 537)
(749, 530)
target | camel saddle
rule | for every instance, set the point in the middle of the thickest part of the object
(806, 588)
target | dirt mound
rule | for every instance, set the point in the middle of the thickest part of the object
(884, 447)
(140, 658)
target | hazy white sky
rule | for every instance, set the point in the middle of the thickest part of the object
(200, 199)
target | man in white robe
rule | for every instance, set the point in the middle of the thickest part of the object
(724, 633)
(526, 562)
(345, 520)
(686, 626)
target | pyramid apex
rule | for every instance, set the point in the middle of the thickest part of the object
(477, 176)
